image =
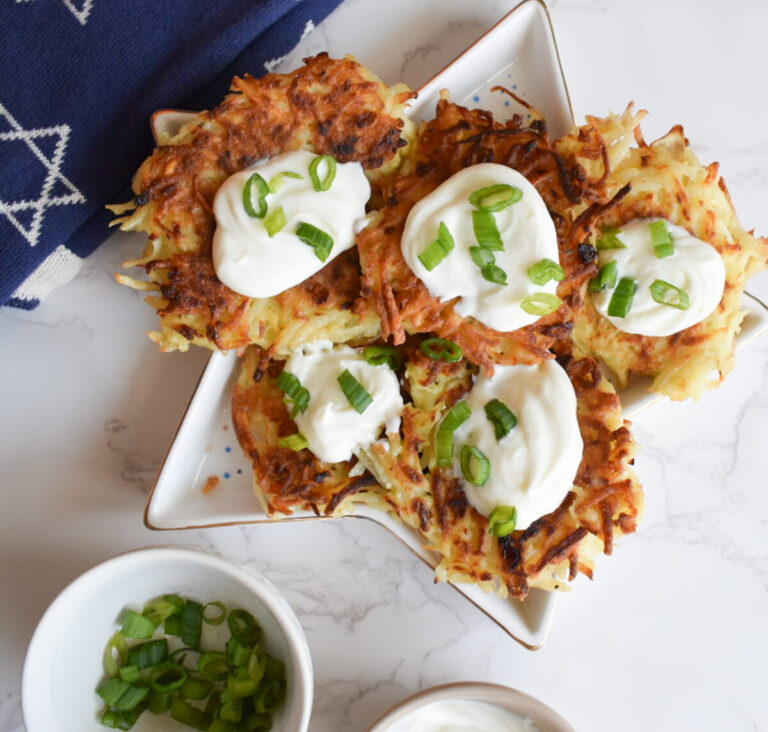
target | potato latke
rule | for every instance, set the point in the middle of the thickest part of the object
(662, 179)
(329, 106)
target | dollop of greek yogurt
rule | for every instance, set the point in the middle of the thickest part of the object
(332, 427)
(696, 267)
(248, 260)
(463, 715)
(527, 232)
(534, 465)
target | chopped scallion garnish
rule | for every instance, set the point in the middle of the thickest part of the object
(379, 355)
(494, 274)
(162, 607)
(475, 466)
(482, 257)
(294, 442)
(316, 238)
(137, 626)
(131, 674)
(148, 654)
(666, 293)
(191, 623)
(609, 239)
(115, 654)
(355, 392)
(456, 417)
(325, 183)
(276, 182)
(244, 627)
(216, 618)
(544, 271)
(167, 677)
(439, 249)
(195, 688)
(132, 697)
(495, 198)
(255, 196)
(275, 221)
(502, 521)
(111, 690)
(486, 231)
(542, 303)
(441, 349)
(187, 714)
(663, 244)
(623, 295)
(214, 664)
(295, 393)
(501, 417)
(606, 278)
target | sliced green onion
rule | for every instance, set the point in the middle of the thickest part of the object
(316, 238)
(663, 244)
(380, 355)
(116, 645)
(130, 674)
(456, 417)
(195, 688)
(219, 725)
(241, 683)
(244, 627)
(486, 231)
(148, 654)
(295, 442)
(542, 303)
(180, 655)
(257, 664)
(212, 707)
(137, 626)
(294, 391)
(494, 274)
(276, 181)
(609, 239)
(475, 466)
(355, 392)
(167, 677)
(502, 521)
(606, 278)
(621, 300)
(231, 709)
(237, 652)
(271, 691)
(158, 702)
(439, 249)
(666, 293)
(325, 183)
(218, 618)
(440, 349)
(495, 198)
(116, 719)
(275, 221)
(482, 257)
(132, 697)
(544, 271)
(191, 623)
(162, 607)
(255, 196)
(501, 417)
(185, 713)
(111, 691)
(172, 625)
(214, 665)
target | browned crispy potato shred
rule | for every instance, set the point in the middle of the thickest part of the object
(602, 173)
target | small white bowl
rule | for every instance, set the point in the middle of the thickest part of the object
(545, 718)
(63, 666)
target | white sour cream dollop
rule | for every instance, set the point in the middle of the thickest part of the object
(696, 267)
(526, 229)
(463, 715)
(534, 465)
(333, 429)
(248, 260)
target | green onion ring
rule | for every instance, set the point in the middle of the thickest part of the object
(475, 466)
(355, 392)
(501, 417)
(275, 221)
(440, 349)
(544, 271)
(496, 197)
(502, 521)
(456, 417)
(316, 238)
(663, 243)
(542, 303)
(660, 290)
(216, 619)
(294, 442)
(255, 184)
(244, 627)
(439, 249)
(178, 675)
(325, 183)
(486, 231)
(116, 644)
(622, 297)
(276, 181)
(380, 355)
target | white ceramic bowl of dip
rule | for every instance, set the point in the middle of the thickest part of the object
(63, 666)
(497, 706)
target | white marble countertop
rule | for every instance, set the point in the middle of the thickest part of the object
(671, 634)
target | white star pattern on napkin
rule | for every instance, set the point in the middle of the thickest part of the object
(53, 176)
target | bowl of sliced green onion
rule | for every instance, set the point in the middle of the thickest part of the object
(167, 639)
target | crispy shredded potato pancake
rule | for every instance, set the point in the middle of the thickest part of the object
(661, 179)
(328, 106)
(457, 138)
(400, 477)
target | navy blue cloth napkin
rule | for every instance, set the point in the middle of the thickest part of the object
(78, 81)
